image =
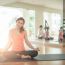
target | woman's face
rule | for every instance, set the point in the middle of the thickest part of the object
(20, 23)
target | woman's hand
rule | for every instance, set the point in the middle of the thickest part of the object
(36, 49)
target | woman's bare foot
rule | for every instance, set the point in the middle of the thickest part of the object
(25, 56)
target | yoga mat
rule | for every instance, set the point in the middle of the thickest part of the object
(41, 57)
(50, 57)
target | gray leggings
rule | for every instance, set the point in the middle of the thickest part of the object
(31, 53)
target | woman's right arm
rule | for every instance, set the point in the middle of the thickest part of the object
(8, 45)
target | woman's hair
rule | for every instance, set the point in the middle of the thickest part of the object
(20, 18)
(41, 26)
(22, 28)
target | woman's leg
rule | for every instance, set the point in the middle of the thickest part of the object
(31, 53)
(18, 54)
(11, 55)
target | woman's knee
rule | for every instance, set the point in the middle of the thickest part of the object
(34, 53)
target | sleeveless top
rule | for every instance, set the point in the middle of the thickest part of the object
(16, 40)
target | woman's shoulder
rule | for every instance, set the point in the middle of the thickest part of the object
(12, 30)
(25, 31)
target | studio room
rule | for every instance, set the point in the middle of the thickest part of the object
(32, 32)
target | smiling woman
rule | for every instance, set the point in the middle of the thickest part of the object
(7, 16)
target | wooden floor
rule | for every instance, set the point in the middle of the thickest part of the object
(45, 48)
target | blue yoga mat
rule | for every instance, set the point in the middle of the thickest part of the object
(41, 57)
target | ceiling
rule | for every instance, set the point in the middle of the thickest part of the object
(56, 4)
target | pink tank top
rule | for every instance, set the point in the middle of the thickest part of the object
(17, 40)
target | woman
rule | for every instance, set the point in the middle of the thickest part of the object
(40, 32)
(61, 34)
(17, 36)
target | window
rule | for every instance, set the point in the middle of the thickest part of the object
(54, 23)
(30, 23)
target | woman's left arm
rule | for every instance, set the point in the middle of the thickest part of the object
(27, 41)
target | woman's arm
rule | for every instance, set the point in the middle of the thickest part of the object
(29, 44)
(27, 41)
(8, 45)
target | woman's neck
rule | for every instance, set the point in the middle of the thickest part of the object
(17, 29)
